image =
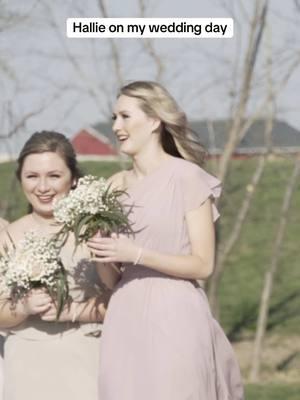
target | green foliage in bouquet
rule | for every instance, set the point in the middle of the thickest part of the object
(91, 207)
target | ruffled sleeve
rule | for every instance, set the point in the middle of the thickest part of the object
(198, 186)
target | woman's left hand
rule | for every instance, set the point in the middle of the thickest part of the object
(117, 248)
(51, 313)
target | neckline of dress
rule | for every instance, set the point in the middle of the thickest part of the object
(163, 164)
(47, 227)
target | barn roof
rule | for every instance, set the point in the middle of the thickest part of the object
(89, 141)
(213, 135)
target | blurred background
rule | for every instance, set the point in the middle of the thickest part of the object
(241, 97)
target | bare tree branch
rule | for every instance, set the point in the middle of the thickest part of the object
(113, 46)
(297, 4)
(73, 61)
(224, 249)
(149, 47)
(271, 272)
(20, 124)
(257, 27)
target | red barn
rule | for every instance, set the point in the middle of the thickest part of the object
(99, 140)
(90, 143)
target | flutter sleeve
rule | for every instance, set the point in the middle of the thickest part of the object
(198, 186)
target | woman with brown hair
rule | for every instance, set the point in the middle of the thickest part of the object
(45, 359)
(159, 339)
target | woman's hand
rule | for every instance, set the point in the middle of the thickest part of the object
(37, 301)
(50, 314)
(92, 310)
(117, 248)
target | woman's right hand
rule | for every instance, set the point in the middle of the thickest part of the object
(37, 301)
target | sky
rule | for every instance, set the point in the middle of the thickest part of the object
(67, 84)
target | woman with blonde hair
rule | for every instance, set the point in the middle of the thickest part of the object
(160, 340)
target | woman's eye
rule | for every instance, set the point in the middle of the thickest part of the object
(125, 116)
(55, 176)
(30, 176)
(113, 117)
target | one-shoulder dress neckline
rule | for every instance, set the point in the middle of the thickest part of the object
(141, 181)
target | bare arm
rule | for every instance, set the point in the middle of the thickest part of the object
(108, 273)
(11, 315)
(197, 265)
(92, 310)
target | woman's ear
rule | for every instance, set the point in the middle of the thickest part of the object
(74, 183)
(156, 124)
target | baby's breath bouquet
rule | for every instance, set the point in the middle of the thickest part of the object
(92, 206)
(34, 263)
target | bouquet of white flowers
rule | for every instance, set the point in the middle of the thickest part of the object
(90, 207)
(34, 263)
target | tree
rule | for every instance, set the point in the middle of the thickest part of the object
(271, 272)
(239, 126)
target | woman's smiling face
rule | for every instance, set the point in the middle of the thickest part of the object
(45, 177)
(132, 126)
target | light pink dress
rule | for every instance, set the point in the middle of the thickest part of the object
(160, 341)
(56, 361)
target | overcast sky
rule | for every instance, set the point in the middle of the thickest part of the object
(37, 72)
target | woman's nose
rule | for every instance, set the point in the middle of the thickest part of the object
(43, 185)
(117, 124)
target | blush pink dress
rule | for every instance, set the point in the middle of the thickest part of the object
(56, 361)
(159, 340)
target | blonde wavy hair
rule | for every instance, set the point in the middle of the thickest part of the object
(176, 137)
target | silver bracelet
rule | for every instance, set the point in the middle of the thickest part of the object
(139, 256)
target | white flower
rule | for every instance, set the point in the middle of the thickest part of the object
(91, 206)
(34, 259)
(87, 198)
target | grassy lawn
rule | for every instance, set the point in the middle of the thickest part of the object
(272, 392)
(248, 261)
(243, 278)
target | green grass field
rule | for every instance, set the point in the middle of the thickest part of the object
(246, 265)
(243, 278)
(272, 392)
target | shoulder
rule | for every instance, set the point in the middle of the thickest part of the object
(15, 230)
(195, 182)
(187, 170)
(117, 181)
(184, 167)
(197, 186)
